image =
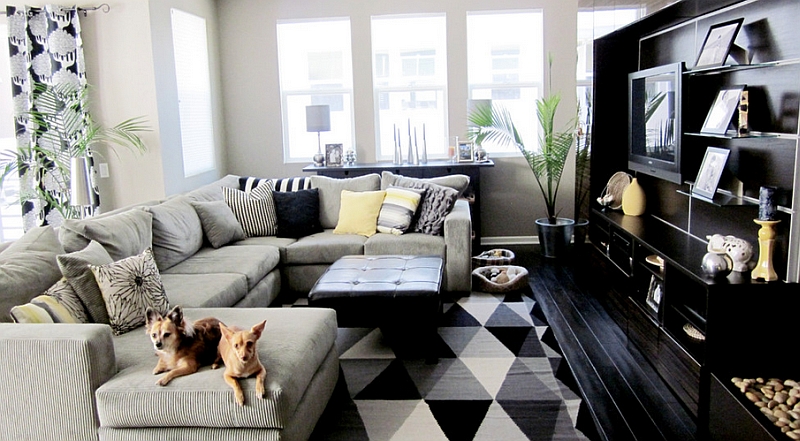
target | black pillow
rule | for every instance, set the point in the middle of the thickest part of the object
(298, 213)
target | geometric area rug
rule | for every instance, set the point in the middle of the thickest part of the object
(493, 380)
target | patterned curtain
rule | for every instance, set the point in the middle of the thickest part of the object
(45, 47)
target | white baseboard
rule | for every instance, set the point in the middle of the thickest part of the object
(510, 240)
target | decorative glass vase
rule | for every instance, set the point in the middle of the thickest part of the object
(633, 199)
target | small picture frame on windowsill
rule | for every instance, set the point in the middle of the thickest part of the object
(333, 155)
(466, 151)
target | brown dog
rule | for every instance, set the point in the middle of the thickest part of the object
(182, 346)
(238, 350)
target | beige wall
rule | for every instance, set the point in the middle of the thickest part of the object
(248, 55)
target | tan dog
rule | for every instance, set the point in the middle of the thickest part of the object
(238, 350)
(182, 346)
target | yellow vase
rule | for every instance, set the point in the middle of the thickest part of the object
(633, 200)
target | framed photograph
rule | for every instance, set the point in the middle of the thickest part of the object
(721, 112)
(710, 170)
(333, 155)
(466, 150)
(717, 44)
(654, 293)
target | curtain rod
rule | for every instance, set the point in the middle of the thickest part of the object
(103, 7)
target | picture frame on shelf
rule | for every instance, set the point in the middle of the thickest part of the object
(466, 151)
(721, 112)
(710, 171)
(717, 44)
(654, 294)
(333, 155)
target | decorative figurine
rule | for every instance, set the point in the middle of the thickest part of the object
(739, 250)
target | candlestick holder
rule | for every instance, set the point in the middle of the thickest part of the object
(766, 245)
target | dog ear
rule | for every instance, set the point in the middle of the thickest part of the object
(226, 333)
(258, 329)
(176, 315)
(152, 315)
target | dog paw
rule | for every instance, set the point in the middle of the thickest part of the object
(240, 399)
(162, 381)
(215, 366)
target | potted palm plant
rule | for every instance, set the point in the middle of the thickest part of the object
(583, 151)
(64, 133)
(547, 161)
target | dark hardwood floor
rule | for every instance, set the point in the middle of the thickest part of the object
(623, 396)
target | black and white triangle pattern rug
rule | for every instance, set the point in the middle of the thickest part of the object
(494, 380)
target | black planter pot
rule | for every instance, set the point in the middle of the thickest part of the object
(554, 238)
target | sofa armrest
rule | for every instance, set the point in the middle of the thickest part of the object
(458, 243)
(49, 376)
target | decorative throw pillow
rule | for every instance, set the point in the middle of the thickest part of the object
(248, 183)
(42, 309)
(75, 268)
(359, 212)
(28, 267)
(298, 213)
(129, 286)
(255, 210)
(292, 184)
(398, 209)
(67, 297)
(219, 223)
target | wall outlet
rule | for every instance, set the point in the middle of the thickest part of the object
(103, 170)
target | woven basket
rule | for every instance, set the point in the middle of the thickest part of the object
(481, 279)
(493, 258)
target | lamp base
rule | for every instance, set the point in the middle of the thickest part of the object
(766, 244)
(319, 160)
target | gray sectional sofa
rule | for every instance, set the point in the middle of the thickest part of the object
(82, 382)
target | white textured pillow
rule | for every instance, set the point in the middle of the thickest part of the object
(129, 286)
(255, 210)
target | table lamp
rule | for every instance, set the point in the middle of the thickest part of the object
(318, 119)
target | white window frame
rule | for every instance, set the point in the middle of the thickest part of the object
(346, 90)
(534, 85)
(436, 144)
(193, 82)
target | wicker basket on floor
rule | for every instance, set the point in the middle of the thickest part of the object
(482, 278)
(493, 258)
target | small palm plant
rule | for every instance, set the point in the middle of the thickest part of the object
(494, 123)
(63, 129)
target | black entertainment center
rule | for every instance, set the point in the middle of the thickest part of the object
(698, 332)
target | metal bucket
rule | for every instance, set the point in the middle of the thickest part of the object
(554, 238)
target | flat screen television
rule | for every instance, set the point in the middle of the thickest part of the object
(654, 121)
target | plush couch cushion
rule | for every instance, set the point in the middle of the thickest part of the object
(456, 182)
(219, 224)
(298, 213)
(213, 191)
(412, 244)
(323, 247)
(177, 231)
(359, 212)
(75, 267)
(252, 261)
(330, 194)
(129, 286)
(28, 267)
(204, 290)
(291, 354)
(123, 234)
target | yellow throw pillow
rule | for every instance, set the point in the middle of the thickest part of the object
(358, 212)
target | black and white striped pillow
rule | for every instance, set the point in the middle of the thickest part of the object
(248, 183)
(255, 210)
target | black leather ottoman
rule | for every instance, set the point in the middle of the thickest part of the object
(395, 293)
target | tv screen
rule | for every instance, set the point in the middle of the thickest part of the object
(654, 120)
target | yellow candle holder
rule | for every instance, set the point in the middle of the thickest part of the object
(766, 244)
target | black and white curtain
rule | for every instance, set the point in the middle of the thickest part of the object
(45, 47)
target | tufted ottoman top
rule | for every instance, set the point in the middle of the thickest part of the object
(379, 276)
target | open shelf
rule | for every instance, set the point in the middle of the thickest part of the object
(733, 134)
(739, 67)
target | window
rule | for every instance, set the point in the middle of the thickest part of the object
(409, 64)
(316, 67)
(194, 92)
(594, 24)
(505, 65)
(10, 209)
